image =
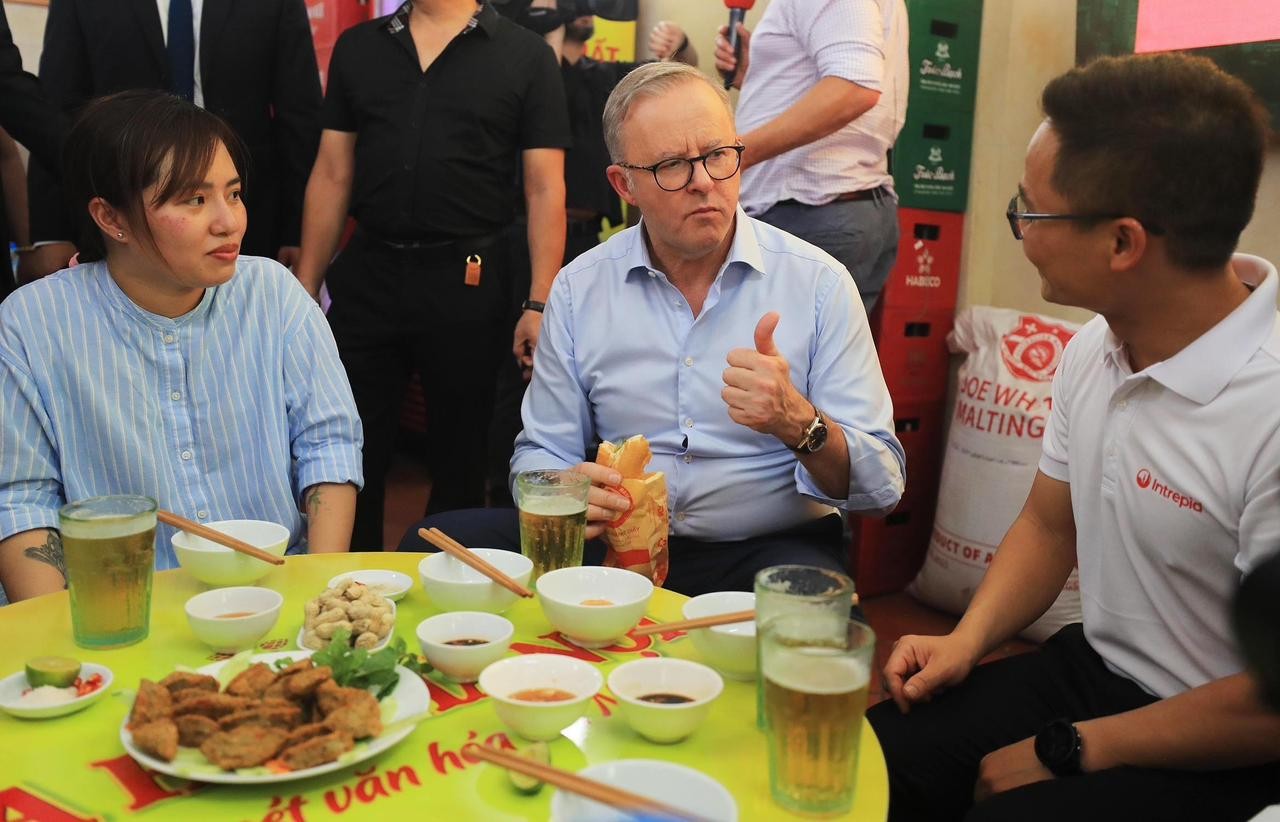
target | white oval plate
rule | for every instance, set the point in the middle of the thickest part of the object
(11, 688)
(411, 704)
(386, 640)
(391, 584)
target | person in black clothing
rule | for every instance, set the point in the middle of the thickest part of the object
(251, 63)
(427, 115)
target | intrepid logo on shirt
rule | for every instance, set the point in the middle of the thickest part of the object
(1146, 481)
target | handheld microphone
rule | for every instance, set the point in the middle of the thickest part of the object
(737, 13)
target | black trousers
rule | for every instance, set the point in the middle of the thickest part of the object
(397, 310)
(933, 753)
(697, 567)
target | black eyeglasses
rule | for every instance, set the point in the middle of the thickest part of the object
(1017, 217)
(674, 174)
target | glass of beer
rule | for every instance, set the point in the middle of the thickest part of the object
(815, 697)
(109, 544)
(553, 518)
(823, 596)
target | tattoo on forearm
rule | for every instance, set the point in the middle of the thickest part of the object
(50, 553)
(313, 502)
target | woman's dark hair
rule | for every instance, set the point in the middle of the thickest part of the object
(1169, 139)
(124, 143)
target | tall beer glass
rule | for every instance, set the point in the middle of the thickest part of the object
(553, 518)
(815, 697)
(109, 544)
(822, 596)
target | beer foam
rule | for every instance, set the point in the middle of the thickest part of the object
(552, 506)
(107, 526)
(816, 670)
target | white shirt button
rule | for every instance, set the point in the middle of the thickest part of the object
(202, 514)
(1122, 404)
(688, 423)
(186, 455)
(688, 360)
(169, 338)
(175, 396)
(680, 516)
(688, 457)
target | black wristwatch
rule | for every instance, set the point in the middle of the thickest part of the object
(815, 436)
(533, 305)
(1058, 747)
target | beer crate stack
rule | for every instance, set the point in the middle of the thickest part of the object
(917, 308)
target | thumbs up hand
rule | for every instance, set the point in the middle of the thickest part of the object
(758, 389)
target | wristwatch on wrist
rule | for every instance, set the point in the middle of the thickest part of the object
(815, 435)
(533, 305)
(1058, 747)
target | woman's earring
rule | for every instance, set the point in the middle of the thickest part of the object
(119, 235)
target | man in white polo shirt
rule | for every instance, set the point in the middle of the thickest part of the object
(824, 95)
(1160, 477)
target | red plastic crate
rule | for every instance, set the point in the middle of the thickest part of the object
(887, 553)
(919, 427)
(926, 274)
(912, 344)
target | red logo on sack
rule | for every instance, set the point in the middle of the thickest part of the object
(1146, 481)
(1033, 349)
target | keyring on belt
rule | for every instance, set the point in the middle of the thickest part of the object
(473, 269)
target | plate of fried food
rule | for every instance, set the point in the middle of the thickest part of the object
(274, 717)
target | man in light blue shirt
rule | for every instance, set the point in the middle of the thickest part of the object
(170, 366)
(731, 345)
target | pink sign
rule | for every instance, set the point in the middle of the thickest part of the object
(1167, 25)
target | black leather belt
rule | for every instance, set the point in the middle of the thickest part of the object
(460, 247)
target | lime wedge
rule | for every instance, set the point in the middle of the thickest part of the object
(537, 752)
(58, 671)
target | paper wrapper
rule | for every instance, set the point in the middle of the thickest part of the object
(637, 540)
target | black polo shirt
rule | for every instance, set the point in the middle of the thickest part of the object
(437, 152)
(587, 85)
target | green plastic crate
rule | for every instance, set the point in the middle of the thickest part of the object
(931, 159)
(945, 39)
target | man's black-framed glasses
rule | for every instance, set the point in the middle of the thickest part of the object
(1018, 216)
(673, 175)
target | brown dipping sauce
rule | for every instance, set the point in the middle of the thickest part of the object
(467, 642)
(542, 695)
(595, 602)
(665, 699)
(234, 615)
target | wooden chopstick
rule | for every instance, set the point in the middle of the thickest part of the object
(625, 801)
(169, 518)
(701, 622)
(459, 551)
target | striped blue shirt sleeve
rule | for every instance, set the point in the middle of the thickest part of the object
(30, 488)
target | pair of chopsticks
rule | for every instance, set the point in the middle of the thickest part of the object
(701, 622)
(182, 523)
(459, 551)
(625, 801)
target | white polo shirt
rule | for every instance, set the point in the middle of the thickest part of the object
(1175, 486)
(796, 44)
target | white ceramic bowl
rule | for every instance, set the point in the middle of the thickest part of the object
(393, 585)
(215, 564)
(730, 649)
(563, 591)
(205, 615)
(659, 722)
(455, 586)
(691, 791)
(540, 720)
(11, 688)
(463, 663)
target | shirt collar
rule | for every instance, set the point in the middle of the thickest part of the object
(1200, 371)
(116, 297)
(485, 17)
(744, 251)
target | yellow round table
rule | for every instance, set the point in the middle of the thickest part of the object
(74, 767)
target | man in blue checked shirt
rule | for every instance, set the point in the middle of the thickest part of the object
(166, 364)
(741, 353)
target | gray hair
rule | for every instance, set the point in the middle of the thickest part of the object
(649, 80)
